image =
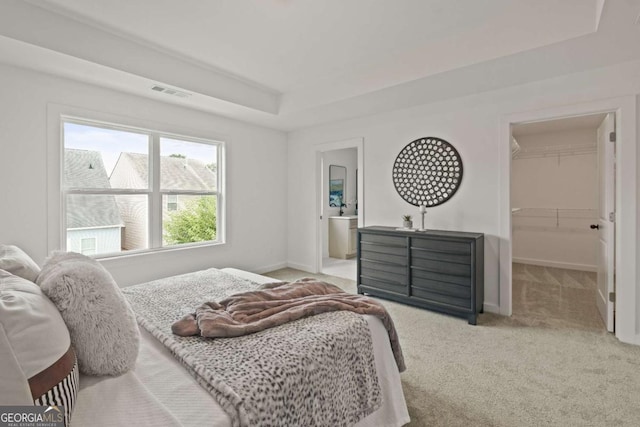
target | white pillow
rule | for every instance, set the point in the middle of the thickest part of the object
(15, 261)
(33, 337)
(102, 325)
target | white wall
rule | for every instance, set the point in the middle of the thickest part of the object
(472, 124)
(556, 182)
(347, 157)
(255, 173)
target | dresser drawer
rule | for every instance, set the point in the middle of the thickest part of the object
(444, 288)
(393, 272)
(376, 247)
(383, 240)
(463, 303)
(441, 267)
(384, 257)
(436, 245)
(440, 256)
(385, 285)
(440, 277)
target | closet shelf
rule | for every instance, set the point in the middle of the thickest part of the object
(555, 213)
(555, 151)
(582, 230)
(554, 219)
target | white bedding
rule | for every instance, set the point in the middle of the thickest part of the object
(160, 392)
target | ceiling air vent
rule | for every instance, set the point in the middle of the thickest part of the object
(171, 91)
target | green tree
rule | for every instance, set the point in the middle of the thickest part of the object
(196, 222)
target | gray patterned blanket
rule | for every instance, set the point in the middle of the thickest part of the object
(275, 304)
(316, 371)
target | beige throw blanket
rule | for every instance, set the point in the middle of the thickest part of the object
(277, 303)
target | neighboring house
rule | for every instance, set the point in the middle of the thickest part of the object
(93, 221)
(177, 174)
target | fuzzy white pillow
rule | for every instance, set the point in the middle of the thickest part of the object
(101, 323)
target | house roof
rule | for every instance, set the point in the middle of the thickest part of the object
(177, 173)
(85, 169)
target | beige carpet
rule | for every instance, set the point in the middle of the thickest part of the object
(518, 371)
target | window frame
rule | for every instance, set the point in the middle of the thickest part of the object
(154, 192)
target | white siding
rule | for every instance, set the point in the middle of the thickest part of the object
(107, 239)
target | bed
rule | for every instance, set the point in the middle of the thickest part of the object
(160, 392)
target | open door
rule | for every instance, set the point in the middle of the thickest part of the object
(605, 295)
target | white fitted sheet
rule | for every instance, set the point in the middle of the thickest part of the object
(160, 392)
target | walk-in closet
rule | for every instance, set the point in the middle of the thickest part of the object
(554, 200)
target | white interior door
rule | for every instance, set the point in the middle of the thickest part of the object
(606, 221)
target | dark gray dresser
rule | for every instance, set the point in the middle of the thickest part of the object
(437, 270)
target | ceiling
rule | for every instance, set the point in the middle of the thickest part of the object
(289, 64)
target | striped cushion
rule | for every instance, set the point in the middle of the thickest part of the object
(35, 351)
(62, 394)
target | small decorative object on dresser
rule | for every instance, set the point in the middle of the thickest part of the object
(437, 270)
(407, 221)
(423, 211)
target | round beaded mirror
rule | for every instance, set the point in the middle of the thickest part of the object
(428, 171)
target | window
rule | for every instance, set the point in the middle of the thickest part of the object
(123, 185)
(172, 202)
(88, 246)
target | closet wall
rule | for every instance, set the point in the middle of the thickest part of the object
(554, 199)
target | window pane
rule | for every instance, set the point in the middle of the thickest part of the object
(187, 165)
(116, 222)
(96, 157)
(194, 220)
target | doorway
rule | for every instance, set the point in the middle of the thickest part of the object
(627, 295)
(340, 212)
(340, 203)
(557, 185)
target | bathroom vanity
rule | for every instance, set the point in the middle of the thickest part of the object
(343, 236)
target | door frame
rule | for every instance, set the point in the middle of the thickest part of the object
(606, 165)
(320, 149)
(627, 321)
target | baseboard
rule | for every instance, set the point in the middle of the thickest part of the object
(302, 267)
(629, 339)
(555, 264)
(491, 308)
(269, 268)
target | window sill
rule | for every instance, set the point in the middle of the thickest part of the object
(167, 249)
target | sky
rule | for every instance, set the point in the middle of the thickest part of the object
(110, 143)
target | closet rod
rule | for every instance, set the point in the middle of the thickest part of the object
(555, 151)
